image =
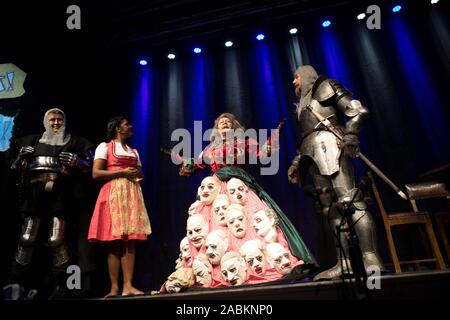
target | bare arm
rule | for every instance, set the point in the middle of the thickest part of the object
(99, 172)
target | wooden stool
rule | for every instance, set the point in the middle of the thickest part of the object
(427, 190)
(407, 218)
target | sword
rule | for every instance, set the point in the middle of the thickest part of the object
(336, 132)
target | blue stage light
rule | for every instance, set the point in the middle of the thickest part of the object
(197, 50)
(326, 23)
(434, 1)
(143, 62)
(260, 37)
(397, 8)
(229, 44)
(171, 56)
(361, 16)
(293, 31)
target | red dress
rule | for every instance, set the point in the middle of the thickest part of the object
(120, 212)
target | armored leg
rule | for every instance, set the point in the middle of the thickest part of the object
(27, 240)
(326, 200)
(344, 185)
(61, 257)
(61, 254)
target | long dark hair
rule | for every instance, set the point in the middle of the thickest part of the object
(111, 127)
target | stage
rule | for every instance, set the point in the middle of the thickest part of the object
(404, 286)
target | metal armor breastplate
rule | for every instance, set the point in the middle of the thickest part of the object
(46, 163)
(309, 123)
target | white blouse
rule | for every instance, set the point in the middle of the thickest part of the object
(101, 152)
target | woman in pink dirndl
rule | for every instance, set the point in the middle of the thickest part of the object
(120, 217)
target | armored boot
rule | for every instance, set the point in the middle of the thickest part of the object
(365, 229)
(61, 258)
(343, 266)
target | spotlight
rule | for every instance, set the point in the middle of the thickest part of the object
(143, 62)
(361, 16)
(293, 31)
(397, 8)
(434, 1)
(326, 23)
(229, 44)
(260, 37)
(197, 50)
(171, 56)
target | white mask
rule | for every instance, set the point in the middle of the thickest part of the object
(262, 223)
(197, 230)
(185, 251)
(220, 206)
(191, 210)
(208, 190)
(237, 190)
(202, 271)
(254, 257)
(179, 263)
(233, 268)
(216, 245)
(278, 258)
(237, 220)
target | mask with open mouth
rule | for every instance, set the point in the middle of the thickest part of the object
(237, 220)
(216, 245)
(279, 258)
(237, 190)
(208, 190)
(233, 268)
(197, 229)
(252, 251)
(202, 271)
(220, 206)
(185, 251)
(265, 222)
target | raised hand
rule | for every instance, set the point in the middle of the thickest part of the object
(23, 153)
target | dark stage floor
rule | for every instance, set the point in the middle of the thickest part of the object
(404, 286)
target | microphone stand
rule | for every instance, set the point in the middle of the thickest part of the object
(346, 210)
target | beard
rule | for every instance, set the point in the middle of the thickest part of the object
(52, 138)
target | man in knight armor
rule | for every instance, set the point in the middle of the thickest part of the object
(48, 165)
(328, 161)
